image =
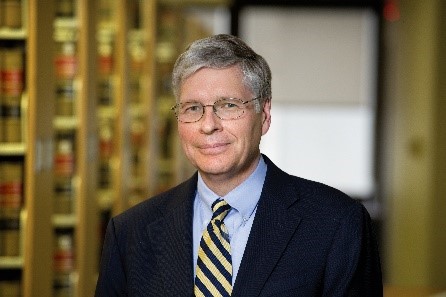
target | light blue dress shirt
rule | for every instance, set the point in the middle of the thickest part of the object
(243, 200)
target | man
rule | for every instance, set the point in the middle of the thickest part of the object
(240, 226)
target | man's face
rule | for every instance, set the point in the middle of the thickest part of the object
(224, 149)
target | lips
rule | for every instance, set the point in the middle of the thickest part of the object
(213, 148)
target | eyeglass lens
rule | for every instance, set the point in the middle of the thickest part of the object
(225, 109)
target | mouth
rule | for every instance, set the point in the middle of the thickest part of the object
(214, 148)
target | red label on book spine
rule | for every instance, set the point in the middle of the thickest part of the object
(12, 82)
(66, 66)
(64, 164)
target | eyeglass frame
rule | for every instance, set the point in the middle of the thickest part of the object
(214, 110)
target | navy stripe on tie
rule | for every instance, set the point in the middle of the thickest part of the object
(211, 278)
(214, 251)
(216, 262)
(219, 244)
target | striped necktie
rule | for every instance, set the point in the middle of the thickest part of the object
(214, 267)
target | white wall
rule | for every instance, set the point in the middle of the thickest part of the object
(329, 144)
(323, 64)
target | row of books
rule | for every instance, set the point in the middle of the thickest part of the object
(66, 64)
(64, 263)
(10, 284)
(64, 171)
(66, 71)
(11, 14)
(12, 84)
(11, 202)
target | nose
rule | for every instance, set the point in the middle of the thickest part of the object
(210, 122)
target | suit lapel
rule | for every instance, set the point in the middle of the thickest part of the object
(172, 237)
(275, 222)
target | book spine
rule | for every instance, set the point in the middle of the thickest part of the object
(65, 8)
(64, 259)
(66, 65)
(10, 284)
(64, 170)
(12, 85)
(64, 158)
(106, 145)
(64, 195)
(11, 13)
(105, 68)
(11, 201)
(65, 98)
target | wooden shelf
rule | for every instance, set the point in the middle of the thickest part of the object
(66, 22)
(196, 2)
(133, 160)
(11, 262)
(64, 221)
(108, 112)
(12, 149)
(66, 123)
(13, 34)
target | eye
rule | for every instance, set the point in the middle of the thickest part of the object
(228, 104)
(190, 108)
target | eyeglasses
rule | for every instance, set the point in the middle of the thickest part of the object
(224, 109)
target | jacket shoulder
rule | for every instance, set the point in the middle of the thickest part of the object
(159, 205)
(313, 198)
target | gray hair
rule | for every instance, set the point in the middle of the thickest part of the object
(223, 51)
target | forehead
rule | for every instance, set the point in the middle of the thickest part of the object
(211, 82)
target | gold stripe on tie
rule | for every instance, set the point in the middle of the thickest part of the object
(214, 266)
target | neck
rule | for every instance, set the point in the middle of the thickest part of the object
(222, 184)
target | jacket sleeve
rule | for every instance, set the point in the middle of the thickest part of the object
(353, 265)
(112, 278)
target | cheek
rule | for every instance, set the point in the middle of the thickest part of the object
(184, 137)
(184, 133)
(249, 134)
(188, 140)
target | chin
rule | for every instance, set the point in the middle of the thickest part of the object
(214, 168)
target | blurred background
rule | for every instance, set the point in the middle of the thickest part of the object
(86, 131)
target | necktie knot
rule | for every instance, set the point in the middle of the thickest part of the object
(220, 209)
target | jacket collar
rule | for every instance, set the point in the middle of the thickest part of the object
(275, 222)
(171, 239)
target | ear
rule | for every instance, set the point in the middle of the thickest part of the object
(266, 116)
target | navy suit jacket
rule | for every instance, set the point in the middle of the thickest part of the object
(307, 239)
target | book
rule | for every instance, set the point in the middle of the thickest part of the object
(11, 202)
(11, 89)
(11, 14)
(10, 283)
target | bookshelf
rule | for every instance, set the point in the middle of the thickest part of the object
(137, 90)
(146, 157)
(67, 32)
(178, 24)
(85, 130)
(125, 41)
(75, 153)
(106, 101)
(43, 105)
(13, 143)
